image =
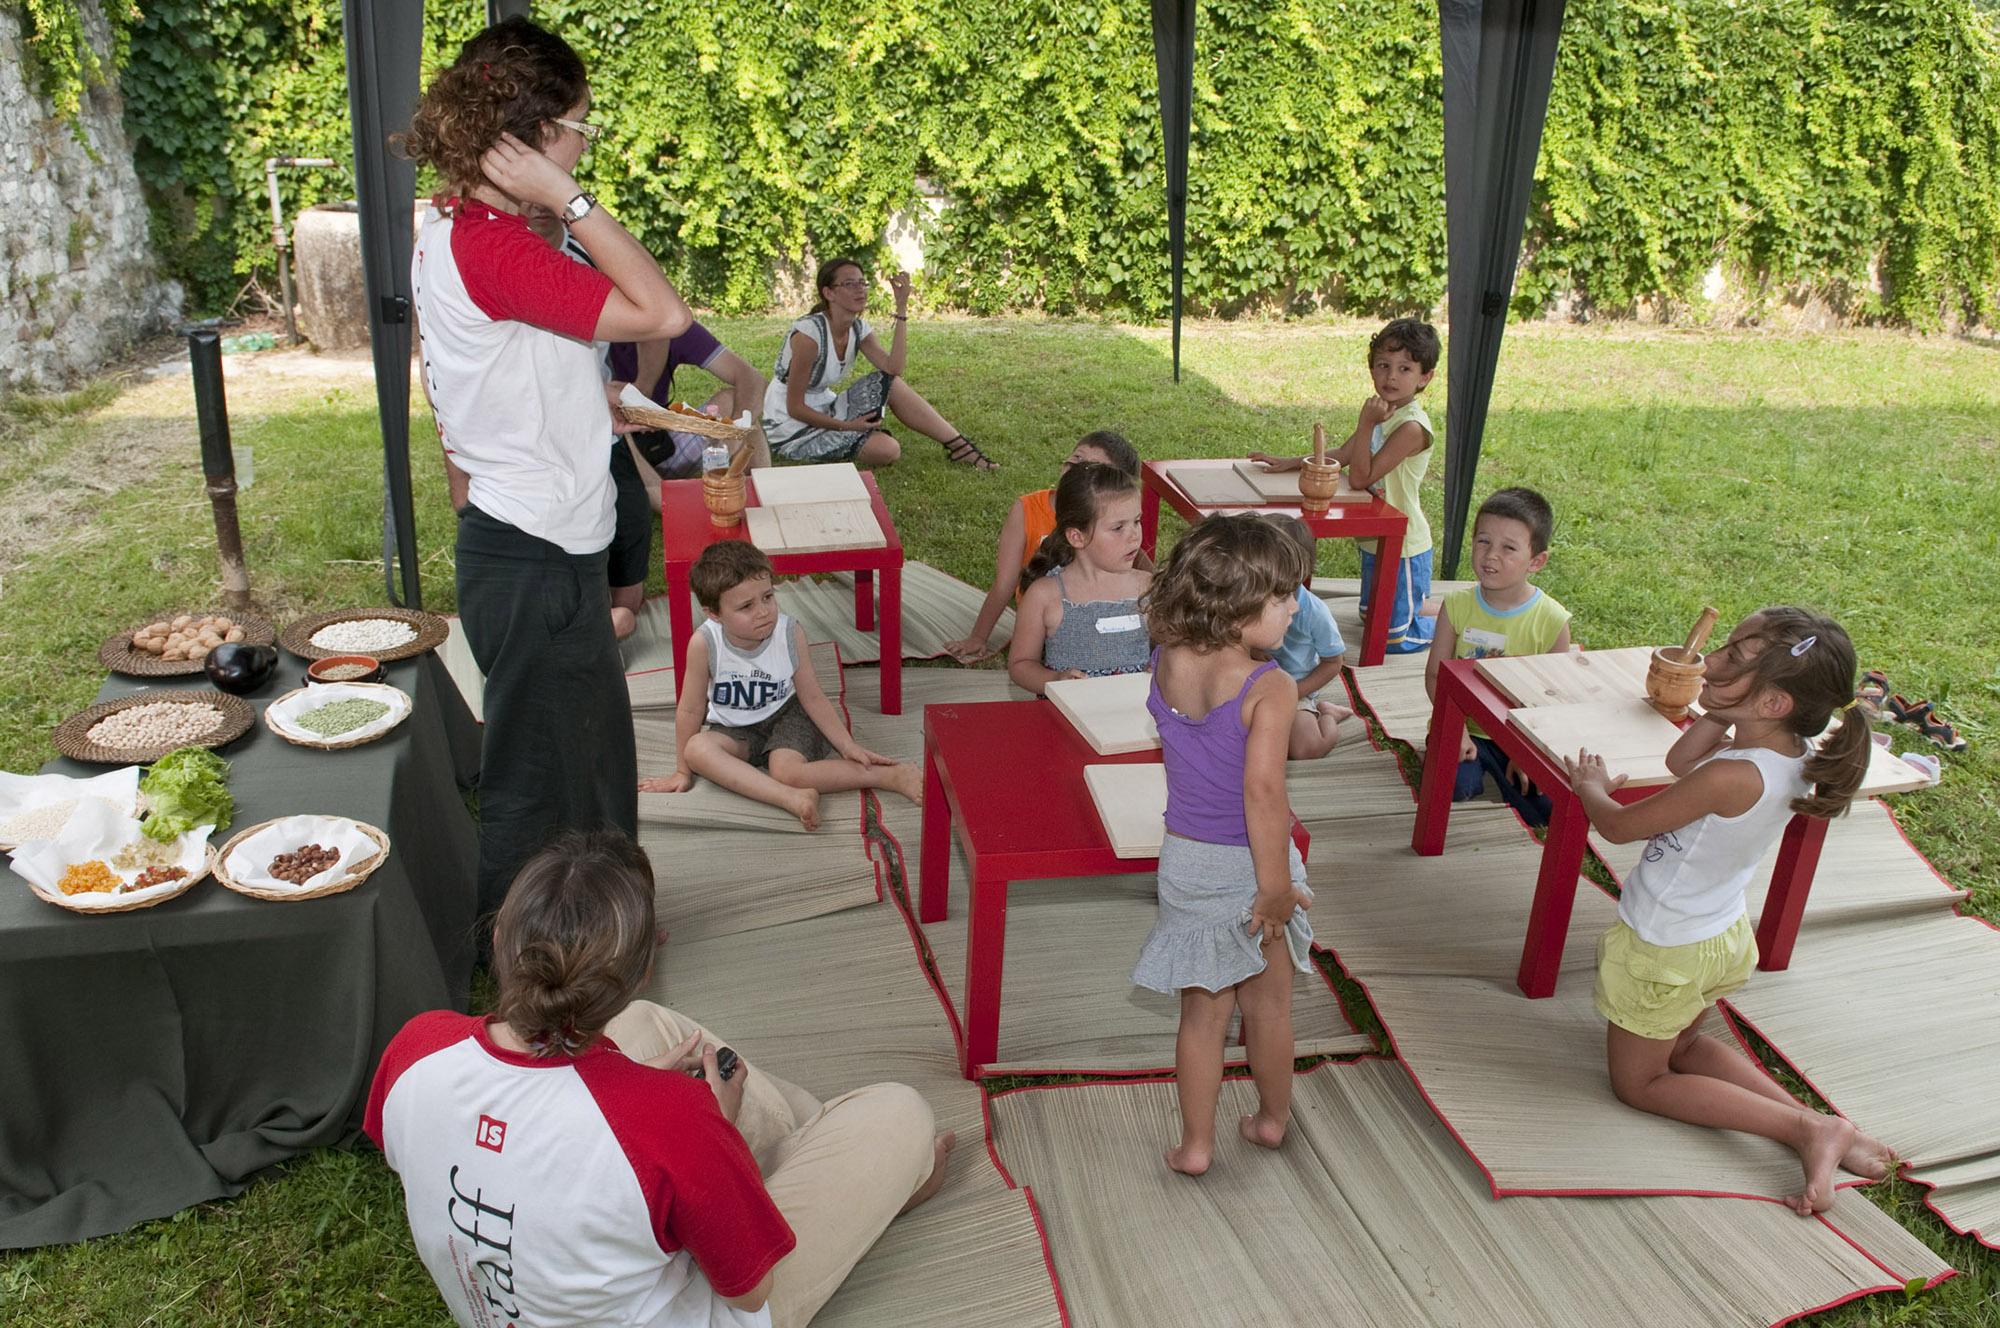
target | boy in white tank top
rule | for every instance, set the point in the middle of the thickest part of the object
(752, 715)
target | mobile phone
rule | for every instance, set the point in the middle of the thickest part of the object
(726, 1061)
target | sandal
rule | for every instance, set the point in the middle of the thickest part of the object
(962, 451)
(1905, 711)
(1941, 733)
(1874, 689)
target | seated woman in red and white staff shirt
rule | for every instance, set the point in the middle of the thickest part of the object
(562, 1166)
(505, 328)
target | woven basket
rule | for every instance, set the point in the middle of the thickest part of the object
(336, 744)
(347, 880)
(186, 883)
(118, 655)
(431, 633)
(72, 740)
(705, 425)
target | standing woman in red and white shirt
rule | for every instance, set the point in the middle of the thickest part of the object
(505, 325)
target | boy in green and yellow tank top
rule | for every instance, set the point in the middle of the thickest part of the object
(1501, 614)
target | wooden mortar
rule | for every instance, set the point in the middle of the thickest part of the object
(1318, 481)
(724, 495)
(1673, 680)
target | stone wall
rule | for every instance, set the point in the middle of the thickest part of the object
(77, 280)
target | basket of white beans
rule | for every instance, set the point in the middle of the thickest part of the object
(383, 634)
(148, 725)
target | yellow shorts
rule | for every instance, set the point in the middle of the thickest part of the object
(1656, 991)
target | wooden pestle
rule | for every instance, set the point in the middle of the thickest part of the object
(741, 461)
(1699, 636)
(1319, 444)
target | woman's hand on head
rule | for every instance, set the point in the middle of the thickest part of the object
(528, 174)
(899, 286)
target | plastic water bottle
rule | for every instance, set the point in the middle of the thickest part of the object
(715, 456)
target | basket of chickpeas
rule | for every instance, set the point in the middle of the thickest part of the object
(174, 644)
(146, 726)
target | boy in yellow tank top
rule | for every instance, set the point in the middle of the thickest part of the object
(1389, 451)
(1501, 614)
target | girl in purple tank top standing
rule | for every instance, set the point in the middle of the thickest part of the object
(1232, 925)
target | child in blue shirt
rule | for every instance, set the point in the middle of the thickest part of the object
(1313, 654)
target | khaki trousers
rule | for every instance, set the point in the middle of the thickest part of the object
(839, 1171)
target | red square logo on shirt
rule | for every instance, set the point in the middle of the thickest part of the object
(492, 1133)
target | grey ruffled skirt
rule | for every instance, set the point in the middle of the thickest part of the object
(1202, 938)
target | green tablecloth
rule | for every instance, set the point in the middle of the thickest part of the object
(159, 1058)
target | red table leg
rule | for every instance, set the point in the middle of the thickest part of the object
(892, 641)
(1381, 600)
(934, 851)
(864, 600)
(1555, 894)
(680, 618)
(1149, 519)
(1791, 882)
(985, 956)
(1440, 768)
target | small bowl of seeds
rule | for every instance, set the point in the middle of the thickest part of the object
(345, 668)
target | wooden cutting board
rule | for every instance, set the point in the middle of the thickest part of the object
(837, 482)
(1132, 803)
(1110, 713)
(1216, 486)
(825, 527)
(1283, 486)
(1570, 678)
(1629, 734)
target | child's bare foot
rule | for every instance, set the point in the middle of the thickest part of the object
(940, 1153)
(1867, 1157)
(1330, 716)
(1261, 1130)
(1825, 1141)
(804, 804)
(906, 778)
(1189, 1160)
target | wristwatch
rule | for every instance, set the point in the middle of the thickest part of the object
(578, 208)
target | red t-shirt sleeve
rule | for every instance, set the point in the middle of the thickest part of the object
(703, 1190)
(423, 1035)
(512, 273)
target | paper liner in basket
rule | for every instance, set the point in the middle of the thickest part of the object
(20, 794)
(283, 713)
(249, 863)
(97, 830)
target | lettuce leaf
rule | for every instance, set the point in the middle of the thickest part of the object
(184, 789)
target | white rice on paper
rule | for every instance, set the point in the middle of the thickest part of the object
(97, 831)
(364, 636)
(249, 863)
(23, 795)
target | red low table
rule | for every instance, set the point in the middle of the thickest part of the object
(1007, 778)
(686, 530)
(1464, 693)
(1374, 519)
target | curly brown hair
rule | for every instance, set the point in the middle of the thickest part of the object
(1217, 579)
(513, 78)
(1809, 658)
(574, 940)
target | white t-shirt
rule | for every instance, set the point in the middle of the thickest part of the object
(504, 324)
(1689, 883)
(830, 365)
(744, 689)
(570, 1191)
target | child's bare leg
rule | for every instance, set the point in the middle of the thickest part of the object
(1315, 732)
(839, 776)
(1642, 1076)
(1198, 1074)
(1266, 1000)
(724, 760)
(1695, 1053)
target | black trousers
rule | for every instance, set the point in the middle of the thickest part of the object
(557, 753)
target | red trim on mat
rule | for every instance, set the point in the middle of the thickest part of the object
(1359, 703)
(1048, 1255)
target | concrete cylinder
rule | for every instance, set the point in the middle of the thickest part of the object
(326, 268)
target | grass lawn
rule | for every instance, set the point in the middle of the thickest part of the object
(1856, 472)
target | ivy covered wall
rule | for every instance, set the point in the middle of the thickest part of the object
(1846, 147)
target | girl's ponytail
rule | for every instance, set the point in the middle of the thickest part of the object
(1079, 493)
(1809, 658)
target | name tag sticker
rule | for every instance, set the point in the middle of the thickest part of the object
(1485, 644)
(1124, 622)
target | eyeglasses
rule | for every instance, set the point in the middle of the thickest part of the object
(589, 131)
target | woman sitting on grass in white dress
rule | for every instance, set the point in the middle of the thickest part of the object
(805, 420)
